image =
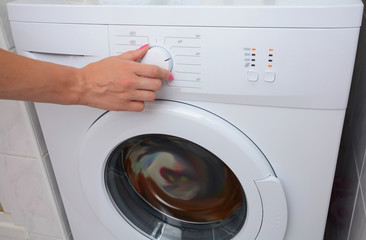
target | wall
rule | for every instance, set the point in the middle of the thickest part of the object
(6, 39)
(26, 191)
(347, 211)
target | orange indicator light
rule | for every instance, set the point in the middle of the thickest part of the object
(270, 66)
(271, 50)
(253, 49)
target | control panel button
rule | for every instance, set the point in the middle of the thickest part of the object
(252, 75)
(269, 76)
(158, 56)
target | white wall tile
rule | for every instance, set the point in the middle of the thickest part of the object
(5, 26)
(15, 135)
(9, 201)
(9, 230)
(9, 238)
(29, 186)
(42, 237)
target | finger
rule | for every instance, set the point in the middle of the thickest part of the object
(151, 84)
(152, 71)
(135, 55)
(135, 106)
(143, 96)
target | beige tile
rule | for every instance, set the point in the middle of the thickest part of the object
(15, 135)
(29, 185)
(42, 237)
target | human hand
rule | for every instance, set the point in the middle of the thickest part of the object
(120, 83)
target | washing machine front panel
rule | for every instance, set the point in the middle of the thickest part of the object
(109, 140)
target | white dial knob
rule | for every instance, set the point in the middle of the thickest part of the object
(158, 56)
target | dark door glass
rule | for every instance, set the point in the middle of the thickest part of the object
(171, 188)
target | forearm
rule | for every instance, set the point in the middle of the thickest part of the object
(31, 80)
(114, 83)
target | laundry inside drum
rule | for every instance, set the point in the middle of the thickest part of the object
(181, 179)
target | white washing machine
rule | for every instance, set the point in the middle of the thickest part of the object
(241, 145)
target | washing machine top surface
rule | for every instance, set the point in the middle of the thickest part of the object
(226, 2)
(239, 13)
(199, 2)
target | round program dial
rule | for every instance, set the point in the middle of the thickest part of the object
(158, 56)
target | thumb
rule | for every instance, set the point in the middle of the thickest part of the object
(137, 54)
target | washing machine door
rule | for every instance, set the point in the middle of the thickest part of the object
(176, 171)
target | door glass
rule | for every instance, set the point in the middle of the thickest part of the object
(172, 188)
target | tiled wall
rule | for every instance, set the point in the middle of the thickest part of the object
(347, 212)
(25, 177)
(6, 39)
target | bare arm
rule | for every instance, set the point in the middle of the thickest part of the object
(114, 83)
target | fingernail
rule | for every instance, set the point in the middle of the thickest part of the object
(144, 46)
(171, 77)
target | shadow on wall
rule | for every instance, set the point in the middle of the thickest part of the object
(347, 214)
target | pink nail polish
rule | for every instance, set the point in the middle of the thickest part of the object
(144, 46)
(171, 77)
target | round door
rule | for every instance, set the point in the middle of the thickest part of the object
(175, 171)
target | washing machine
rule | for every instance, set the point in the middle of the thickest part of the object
(241, 145)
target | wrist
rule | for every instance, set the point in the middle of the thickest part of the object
(70, 89)
(77, 87)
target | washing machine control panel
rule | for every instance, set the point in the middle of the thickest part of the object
(180, 50)
(284, 67)
(260, 64)
(246, 65)
(181, 46)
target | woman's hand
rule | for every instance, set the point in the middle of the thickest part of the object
(120, 83)
(115, 83)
